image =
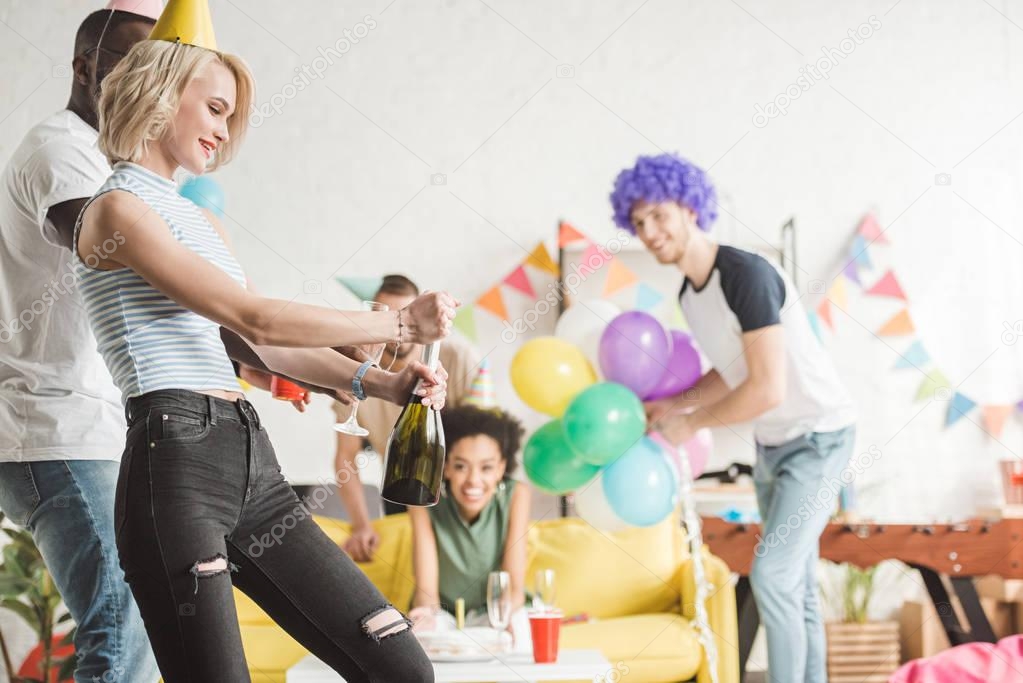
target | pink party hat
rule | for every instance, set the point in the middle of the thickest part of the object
(145, 8)
(481, 391)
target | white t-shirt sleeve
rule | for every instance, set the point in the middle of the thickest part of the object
(61, 170)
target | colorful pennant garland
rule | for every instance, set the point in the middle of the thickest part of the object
(935, 385)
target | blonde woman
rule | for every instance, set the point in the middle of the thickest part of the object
(201, 502)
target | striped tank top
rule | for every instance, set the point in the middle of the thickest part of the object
(148, 341)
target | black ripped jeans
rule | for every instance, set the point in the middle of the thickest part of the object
(201, 504)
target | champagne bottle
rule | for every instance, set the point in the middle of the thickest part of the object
(414, 462)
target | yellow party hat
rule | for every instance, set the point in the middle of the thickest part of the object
(188, 22)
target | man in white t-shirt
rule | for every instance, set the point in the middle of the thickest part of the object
(61, 422)
(768, 368)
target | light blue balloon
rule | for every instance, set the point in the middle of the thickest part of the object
(641, 486)
(205, 192)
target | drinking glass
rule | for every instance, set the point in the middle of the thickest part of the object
(374, 351)
(499, 605)
(543, 590)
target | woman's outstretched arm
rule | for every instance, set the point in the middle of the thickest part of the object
(151, 250)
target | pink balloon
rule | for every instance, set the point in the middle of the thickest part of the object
(698, 448)
(683, 369)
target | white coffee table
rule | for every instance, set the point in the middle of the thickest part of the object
(572, 665)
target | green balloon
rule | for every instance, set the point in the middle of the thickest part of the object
(603, 422)
(551, 464)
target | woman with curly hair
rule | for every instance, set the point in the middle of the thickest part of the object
(479, 525)
(201, 504)
(768, 368)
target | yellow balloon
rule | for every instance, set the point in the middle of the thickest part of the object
(548, 372)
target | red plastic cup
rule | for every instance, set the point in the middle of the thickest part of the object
(283, 390)
(545, 627)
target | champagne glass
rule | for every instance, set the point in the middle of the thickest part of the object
(543, 590)
(375, 351)
(499, 605)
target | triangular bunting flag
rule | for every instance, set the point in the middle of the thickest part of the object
(618, 277)
(815, 324)
(647, 297)
(933, 381)
(824, 311)
(898, 325)
(837, 293)
(860, 252)
(363, 287)
(994, 419)
(871, 230)
(957, 408)
(520, 281)
(465, 321)
(888, 285)
(494, 302)
(481, 391)
(567, 234)
(541, 258)
(852, 272)
(594, 258)
(913, 357)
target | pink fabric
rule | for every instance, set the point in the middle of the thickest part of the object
(970, 663)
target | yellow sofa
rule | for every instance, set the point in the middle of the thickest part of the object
(636, 586)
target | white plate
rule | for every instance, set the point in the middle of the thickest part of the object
(470, 645)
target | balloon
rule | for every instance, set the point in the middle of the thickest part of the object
(642, 485)
(548, 372)
(205, 193)
(697, 448)
(551, 464)
(583, 323)
(603, 422)
(682, 371)
(591, 504)
(634, 351)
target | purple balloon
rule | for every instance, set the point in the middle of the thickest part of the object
(634, 350)
(682, 371)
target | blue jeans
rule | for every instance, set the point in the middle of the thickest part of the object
(68, 506)
(797, 484)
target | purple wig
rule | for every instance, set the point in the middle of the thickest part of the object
(661, 178)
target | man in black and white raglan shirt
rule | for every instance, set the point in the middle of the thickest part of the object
(767, 368)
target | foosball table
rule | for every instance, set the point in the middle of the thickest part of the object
(961, 551)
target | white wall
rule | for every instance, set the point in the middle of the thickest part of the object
(340, 180)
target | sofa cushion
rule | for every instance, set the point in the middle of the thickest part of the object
(605, 574)
(390, 571)
(269, 652)
(654, 647)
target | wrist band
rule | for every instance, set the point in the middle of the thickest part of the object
(357, 389)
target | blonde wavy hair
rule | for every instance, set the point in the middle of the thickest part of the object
(140, 97)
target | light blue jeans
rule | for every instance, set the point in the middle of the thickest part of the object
(68, 505)
(797, 485)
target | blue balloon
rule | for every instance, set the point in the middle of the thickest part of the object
(205, 192)
(641, 486)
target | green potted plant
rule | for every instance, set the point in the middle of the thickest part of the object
(859, 650)
(27, 589)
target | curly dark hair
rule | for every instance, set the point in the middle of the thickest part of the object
(469, 420)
